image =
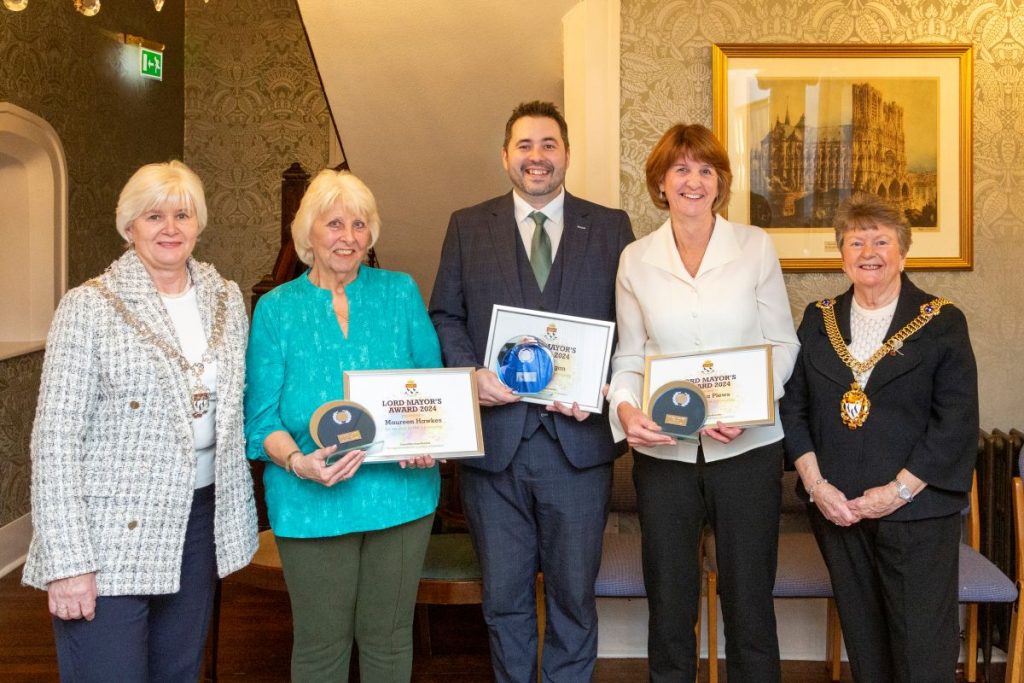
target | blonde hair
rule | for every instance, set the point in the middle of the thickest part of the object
(154, 185)
(328, 187)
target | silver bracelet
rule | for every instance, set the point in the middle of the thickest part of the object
(810, 491)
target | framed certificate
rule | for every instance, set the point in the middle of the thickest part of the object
(419, 412)
(737, 383)
(581, 349)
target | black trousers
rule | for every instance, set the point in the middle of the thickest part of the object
(739, 498)
(895, 585)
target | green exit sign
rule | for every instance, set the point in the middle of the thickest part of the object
(151, 63)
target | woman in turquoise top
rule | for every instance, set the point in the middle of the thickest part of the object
(351, 538)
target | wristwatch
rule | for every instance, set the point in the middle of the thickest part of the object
(903, 491)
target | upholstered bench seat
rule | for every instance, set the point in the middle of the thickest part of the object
(981, 581)
(621, 574)
(450, 557)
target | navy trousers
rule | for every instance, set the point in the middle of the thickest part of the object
(148, 638)
(539, 513)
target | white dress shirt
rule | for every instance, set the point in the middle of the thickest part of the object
(738, 298)
(555, 212)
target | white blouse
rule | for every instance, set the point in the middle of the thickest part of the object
(183, 310)
(867, 331)
(738, 298)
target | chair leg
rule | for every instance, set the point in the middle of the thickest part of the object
(1014, 663)
(712, 627)
(541, 623)
(422, 618)
(971, 656)
(696, 635)
(834, 640)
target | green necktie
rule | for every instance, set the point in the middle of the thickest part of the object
(540, 250)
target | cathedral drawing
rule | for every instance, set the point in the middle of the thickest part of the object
(799, 174)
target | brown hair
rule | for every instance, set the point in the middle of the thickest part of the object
(864, 211)
(692, 141)
(541, 110)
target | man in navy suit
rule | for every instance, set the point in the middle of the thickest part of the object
(538, 500)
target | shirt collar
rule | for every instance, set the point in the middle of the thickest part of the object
(554, 210)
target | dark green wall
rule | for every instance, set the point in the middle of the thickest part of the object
(74, 72)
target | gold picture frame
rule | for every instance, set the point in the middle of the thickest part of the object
(807, 125)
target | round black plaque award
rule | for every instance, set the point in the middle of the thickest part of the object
(344, 424)
(525, 365)
(679, 408)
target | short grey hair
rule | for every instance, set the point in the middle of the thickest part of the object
(328, 187)
(864, 211)
(154, 185)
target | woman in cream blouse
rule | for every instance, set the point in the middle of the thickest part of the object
(701, 282)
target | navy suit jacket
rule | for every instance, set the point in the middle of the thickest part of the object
(924, 408)
(479, 269)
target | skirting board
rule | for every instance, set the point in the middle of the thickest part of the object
(801, 623)
(14, 539)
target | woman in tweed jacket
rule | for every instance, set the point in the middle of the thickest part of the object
(141, 494)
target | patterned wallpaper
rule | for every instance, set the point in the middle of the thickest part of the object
(253, 105)
(666, 77)
(74, 72)
(19, 389)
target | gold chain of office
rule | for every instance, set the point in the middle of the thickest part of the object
(199, 393)
(855, 406)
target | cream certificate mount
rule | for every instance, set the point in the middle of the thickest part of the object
(737, 383)
(420, 412)
(581, 348)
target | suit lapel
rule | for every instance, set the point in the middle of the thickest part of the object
(892, 366)
(576, 229)
(129, 281)
(828, 362)
(504, 233)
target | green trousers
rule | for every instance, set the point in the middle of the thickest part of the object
(359, 586)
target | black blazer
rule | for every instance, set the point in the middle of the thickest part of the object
(924, 408)
(478, 269)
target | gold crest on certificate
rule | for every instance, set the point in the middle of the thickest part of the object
(413, 419)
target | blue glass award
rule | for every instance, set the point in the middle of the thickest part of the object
(679, 408)
(525, 365)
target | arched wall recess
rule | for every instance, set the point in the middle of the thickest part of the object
(33, 229)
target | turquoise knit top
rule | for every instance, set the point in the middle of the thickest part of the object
(297, 354)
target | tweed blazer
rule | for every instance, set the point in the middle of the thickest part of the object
(924, 408)
(113, 454)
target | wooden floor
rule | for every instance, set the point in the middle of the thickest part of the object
(255, 639)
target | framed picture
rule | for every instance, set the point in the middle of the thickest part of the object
(806, 126)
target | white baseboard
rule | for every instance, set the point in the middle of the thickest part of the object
(14, 539)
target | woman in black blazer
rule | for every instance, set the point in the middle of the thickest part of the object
(881, 422)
